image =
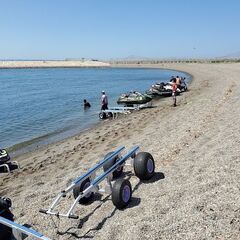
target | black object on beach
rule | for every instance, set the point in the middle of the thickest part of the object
(5, 204)
(6, 165)
(4, 157)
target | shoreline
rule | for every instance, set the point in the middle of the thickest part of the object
(194, 199)
(42, 141)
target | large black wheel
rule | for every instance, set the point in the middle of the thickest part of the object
(6, 232)
(118, 172)
(121, 193)
(80, 188)
(109, 114)
(144, 166)
(102, 115)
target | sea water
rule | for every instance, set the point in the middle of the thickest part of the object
(43, 105)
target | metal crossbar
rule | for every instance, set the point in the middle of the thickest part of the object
(22, 229)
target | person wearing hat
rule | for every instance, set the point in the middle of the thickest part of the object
(104, 101)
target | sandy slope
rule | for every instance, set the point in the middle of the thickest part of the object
(195, 193)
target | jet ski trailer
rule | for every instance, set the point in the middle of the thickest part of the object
(22, 229)
(85, 186)
(113, 112)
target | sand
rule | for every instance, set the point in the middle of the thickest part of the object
(50, 64)
(195, 193)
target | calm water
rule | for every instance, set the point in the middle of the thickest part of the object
(49, 102)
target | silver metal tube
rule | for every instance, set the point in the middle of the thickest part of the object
(27, 231)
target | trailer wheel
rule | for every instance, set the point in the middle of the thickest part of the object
(6, 232)
(110, 115)
(102, 115)
(144, 166)
(118, 172)
(121, 193)
(80, 188)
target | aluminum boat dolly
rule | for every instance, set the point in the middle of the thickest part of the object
(85, 186)
(19, 228)
(113, 112)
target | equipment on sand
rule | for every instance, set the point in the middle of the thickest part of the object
(10, 230)
(113, 112)
(87, 185)
(12, 226)
(5, 162)
(162, 89)
(131, 98)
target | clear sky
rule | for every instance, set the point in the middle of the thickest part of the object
(58, 29)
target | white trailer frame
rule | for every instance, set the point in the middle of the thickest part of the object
(22, 229)
(94, 184)
(125, 110)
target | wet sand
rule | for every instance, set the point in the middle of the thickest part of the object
(195, 193)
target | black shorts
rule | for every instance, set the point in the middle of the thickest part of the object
(104, 107)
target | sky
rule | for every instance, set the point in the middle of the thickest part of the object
(110, 29)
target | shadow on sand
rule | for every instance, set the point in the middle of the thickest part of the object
(73, 231)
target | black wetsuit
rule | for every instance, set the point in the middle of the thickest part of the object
(87, 105)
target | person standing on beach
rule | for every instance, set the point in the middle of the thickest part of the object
(174, 93)
(178, 81)
(104, 101)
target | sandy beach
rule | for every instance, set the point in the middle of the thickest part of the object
(51, 64)
(195, 193)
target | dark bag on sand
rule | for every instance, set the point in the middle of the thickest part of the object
(5, 232)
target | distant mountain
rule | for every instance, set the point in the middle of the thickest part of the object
(131, 58)
(232, 55)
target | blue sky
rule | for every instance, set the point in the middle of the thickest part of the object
(58, 29)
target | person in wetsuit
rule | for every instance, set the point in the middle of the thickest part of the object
(86, 104)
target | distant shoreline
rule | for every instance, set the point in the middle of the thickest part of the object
(14, 64)
(51, 64)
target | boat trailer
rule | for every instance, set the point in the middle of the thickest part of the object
(22, 229)
(113, 112)
(85, 186)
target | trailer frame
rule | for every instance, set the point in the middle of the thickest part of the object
(94, 183)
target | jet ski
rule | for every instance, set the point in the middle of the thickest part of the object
(161, 89)
(133, 98)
